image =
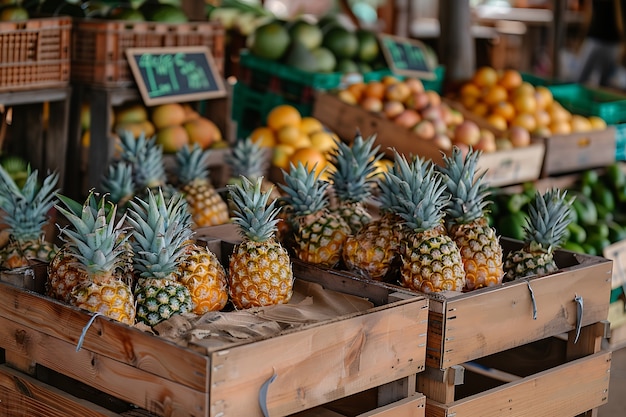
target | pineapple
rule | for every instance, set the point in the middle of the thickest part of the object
(25, 214)
(318, 234)
(161, 238)
(250, 160)
(373, 251)
(259, 268)
(94, 258)
(146, 159)
(118, 184)
(352, 180)
(205, 277)
(207, 207)
(466, 221)
(431, 260)
(546, 227)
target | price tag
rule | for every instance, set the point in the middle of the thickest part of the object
(175, 74)
(406, 57)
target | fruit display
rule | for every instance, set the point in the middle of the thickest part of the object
(425, 113)
(238, 16)
(506, 101)
(598, 199)
(322, 46)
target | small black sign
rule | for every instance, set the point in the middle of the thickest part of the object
(406, 56)
(175, 74)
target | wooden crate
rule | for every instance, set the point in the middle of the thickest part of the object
(99, 46)
(314, 363)
(546, 378)
(579, 151)
(362, 406)
(504, 167)
(35, 53)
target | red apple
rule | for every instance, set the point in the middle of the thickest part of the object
(408, 118)
(392, 108)
(467, 133)
(424, 129)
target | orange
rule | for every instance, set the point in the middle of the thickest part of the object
(390, 79)
(324, 142)
(281, 154)
(597, 123)
(374, 89)
(580, 123)
(485, 76)
(309, 157)
(264, 136)
(470, 90)
(525, 120)
(525, 88)
(504, 109)
(560, 127)
(292, 135)
(310, 125)
(356, 89)
(544, 97)
(495, 94)
(543, 118)
(525, 103)
(510, 79)
(282, 115)
(497, 121)
(480, 109)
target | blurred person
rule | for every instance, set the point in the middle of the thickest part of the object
(601, 51)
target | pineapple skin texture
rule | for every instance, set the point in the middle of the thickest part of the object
(372, 252)
(319, 238)
(64, 274)
(158, 299)
(205, 277)
(481, 253)
(431, 262)
(260, 274)
(109, 296)
(525, 263)
(18, 257)
(206, 206)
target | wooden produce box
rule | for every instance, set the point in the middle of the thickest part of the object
(504, 167)
(362, 406)
(99, 46)
(551, 377)
(579, 151)
(313, 363)
(35, 53)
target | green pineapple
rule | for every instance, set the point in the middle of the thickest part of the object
(207, 207)
(161, 238)
(318, 234)
(373, 251)
(353, 179)
(26, 211)
(260, 267)
(549, 215)
(466, 221)
(431, 260)
(94, 256)
(118, 184)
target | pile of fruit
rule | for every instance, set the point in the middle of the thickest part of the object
(407, 103)
(323, 46)
(599, 204)
(505, 100)
(174, 125)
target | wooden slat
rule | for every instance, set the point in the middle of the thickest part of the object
(131, 384)
(413, 406)
(566, 390)
(105, 337)
(23, 396)
(321, 363)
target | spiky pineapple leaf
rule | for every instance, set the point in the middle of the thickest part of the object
(257, 220)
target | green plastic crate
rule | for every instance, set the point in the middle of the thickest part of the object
(537, 80)
(251, 107)
(587, 101)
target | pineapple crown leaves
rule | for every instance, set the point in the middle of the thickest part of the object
(305, 191)
(257, 220)
(466, 189)
(146, 159)
(162, 232)
(192, 163)
(549, 215)
(118, 183)
(95, 238)
(247, 158)
(421, 199)
(355, 165)
(26, 208)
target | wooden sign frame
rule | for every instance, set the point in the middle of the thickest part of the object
(427, 75)
(216, 88)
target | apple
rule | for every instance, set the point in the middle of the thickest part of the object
(467, 132)
(408, 118)
(424, 129)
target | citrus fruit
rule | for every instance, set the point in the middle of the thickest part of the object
(269, 41)
(281, 154)
(510, 79)
(495, 94)
(324, 141)
(310, 125)
(282, 115)
(374, 89)
(264, 136)
(308, 34)
(292, 135)
(310, 158)
(485, 77)
(341, 42)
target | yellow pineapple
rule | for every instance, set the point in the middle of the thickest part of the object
(203, 274)
(466, 221)
(259, 267)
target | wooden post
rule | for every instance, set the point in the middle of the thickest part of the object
(456, 44)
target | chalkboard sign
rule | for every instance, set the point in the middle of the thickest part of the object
(406, 56)
(175, 74)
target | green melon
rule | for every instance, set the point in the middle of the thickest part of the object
(269, 41)
(306, 33)
(341, 42)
